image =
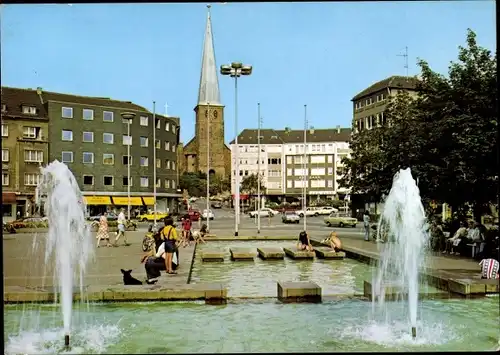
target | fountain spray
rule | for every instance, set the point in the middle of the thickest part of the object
(403, 224)
(68, 238)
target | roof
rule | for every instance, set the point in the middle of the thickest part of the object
(14, 98)
(395, 81)
(272, 136)
(209, 81)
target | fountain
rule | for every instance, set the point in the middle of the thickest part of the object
(68, 237)
(403, 226)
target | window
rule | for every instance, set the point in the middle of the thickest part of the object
(5, 155)
(318, 159)
(173, 165)
(173, 148)
(144, 181)
(144, 141)
(108, 138)
(330, 171)
(167, 145)
(4, 107)
(289, 172)
(67, 157)
(167, 183)
(29, 110)
(67, 135)
(31, 179)
(318, 171)
(35, 156)
(167, 126)
(88, 158)
(144, 161)
(29, 132)
(369, 101)
(158, 123)
(158, 163)
(289, 159)
(108, 116)
(108, 159)
(158, 182)
(5, 130)
(144, 120)
(67, 112)
(125, 181)
(330, 183)
(126, 120)
(88, 137)
(317, 183)
(5, 179)
(157, 144)
(300, 172)
(380, 97)
(274, 161)
(127, 140)
(125, 159)
(289, 183)
(299, 183)
(88, 114)
(173, 184)
(88, 180)
(173, 128)
(167, 164)
(108, 181)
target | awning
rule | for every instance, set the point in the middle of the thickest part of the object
(149, 201)
(123, 201)
(8, 197)
(97, 200)
(243, 197)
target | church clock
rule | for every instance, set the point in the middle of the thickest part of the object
(213, 113)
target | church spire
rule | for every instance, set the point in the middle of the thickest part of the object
(209, 81)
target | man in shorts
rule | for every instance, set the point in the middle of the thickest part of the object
(121, 228)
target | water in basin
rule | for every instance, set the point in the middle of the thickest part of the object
(266, 326)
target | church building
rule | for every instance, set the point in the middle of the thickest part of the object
(206, 152)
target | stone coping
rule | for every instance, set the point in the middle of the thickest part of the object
(255, 237)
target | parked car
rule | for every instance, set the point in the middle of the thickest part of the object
(310, 212)
(207, 214)
(290, 217)
(194, 215)
(326, 210)
(150, 217)
(217, 204)
(335, 219)
(111, 217)
(263, 212)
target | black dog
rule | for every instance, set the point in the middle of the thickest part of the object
(130, 280)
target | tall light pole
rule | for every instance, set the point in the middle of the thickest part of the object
(305, 167)
(235, 70)
(258, 168)
(129, 116)
(154, 164)
(208, 165)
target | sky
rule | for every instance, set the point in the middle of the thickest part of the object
(315, 53)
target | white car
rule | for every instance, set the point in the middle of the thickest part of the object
(207, 214)
(326, 210)
(263, 212)
(310, 212)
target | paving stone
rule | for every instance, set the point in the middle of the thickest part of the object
(271, 253)
(328, 253)
(242, 253)
(212, 255)
(299, 254)
(302, 291)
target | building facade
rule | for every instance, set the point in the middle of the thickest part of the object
(207, 151)
(24, 150)
(369, 105)
(285, 170)
(90, 136)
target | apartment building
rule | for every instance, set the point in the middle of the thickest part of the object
(91, 137)
(284, 168)
(24, 150)
(369, 105)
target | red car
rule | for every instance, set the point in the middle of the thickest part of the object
(194, 215)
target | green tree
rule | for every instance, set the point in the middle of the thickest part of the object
(193, 184)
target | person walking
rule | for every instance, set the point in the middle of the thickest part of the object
(366, 225)
(121, 228)
(103, 231)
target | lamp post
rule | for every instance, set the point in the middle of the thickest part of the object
(208, 164)
(129, 116)
(258, 168)
(154, 165)
(305, 167)
(235, 70)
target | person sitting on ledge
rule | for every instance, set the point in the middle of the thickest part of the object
(304, 243)
(334, 241)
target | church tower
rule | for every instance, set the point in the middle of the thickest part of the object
(209, 130)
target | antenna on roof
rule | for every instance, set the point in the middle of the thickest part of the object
(405, 56)
(166, 109)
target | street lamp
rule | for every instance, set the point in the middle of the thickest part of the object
(208, 165)
(259, 203)
(154, 167)
(305, 167)
(235, 70)
(129, 116)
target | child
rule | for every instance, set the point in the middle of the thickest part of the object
(304, 243)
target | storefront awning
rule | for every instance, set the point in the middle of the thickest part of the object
(123, 201)
(8, 197)
(243, 197)
(97, 200)
(149, 201)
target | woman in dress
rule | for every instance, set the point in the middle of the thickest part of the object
(102, 232)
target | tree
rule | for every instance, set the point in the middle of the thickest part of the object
(192, 183)
(447, 135)
(250, 184)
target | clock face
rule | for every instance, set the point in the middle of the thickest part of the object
(213, 113)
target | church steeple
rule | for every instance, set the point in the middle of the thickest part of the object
(209, 81)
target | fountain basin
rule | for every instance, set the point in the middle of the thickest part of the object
(302, 291)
